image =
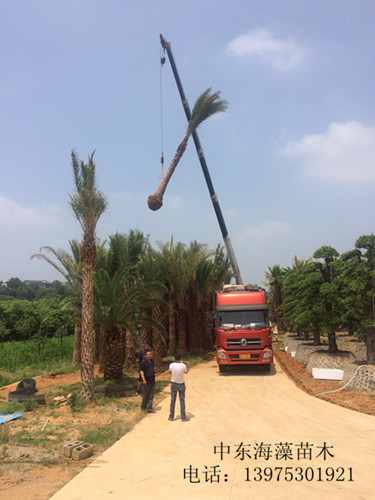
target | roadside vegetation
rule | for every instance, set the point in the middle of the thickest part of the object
(28, 358)
(328, 292)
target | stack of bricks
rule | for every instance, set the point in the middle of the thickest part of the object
(78, 450)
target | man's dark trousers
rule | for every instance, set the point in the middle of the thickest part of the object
(147, 395)
(180, 389)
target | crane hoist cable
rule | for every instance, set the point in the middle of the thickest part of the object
(161, 104)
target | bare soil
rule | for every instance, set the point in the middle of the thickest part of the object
(31, 462)
(238, 408)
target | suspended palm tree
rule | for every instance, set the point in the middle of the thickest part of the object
(88, 205)
(207, 104)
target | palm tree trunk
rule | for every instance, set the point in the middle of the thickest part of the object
(77, 341)
(206, 327)
(115, 354)
(97, 331)
(155, 200)
(101, 355)
(195, 330)
(181, 331)
(131, 350)
(157, 342)
(171, 328)
(87, 337)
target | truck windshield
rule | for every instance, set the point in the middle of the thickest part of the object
(242, 318)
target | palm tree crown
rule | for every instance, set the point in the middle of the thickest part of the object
(207, 104)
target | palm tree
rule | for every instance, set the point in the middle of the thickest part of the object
(207, 104)
(88, 205)
(151, 269)
(124, 298)
(171, 261)
(199, 266)
(68, 265)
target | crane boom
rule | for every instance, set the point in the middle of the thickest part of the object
(215, 202)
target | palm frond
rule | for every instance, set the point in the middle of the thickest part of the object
(208, 103)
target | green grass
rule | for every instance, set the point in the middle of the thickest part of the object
(20, 359)
(105, 436)
(10, 407)
(26, 438)
(4, 434)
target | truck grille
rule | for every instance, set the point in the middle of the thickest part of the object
(236, 357)
(244, 343)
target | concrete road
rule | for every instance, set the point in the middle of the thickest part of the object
(248, 408)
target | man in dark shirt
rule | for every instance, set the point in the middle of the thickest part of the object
(147, 373)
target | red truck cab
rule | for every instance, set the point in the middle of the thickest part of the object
(242, 330)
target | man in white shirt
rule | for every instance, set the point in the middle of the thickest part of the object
(178, 370)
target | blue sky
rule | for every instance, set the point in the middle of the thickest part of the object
(293, 158)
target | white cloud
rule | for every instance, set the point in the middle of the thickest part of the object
(24, 229)
(282, 54)
(345, 152)
(15, 215)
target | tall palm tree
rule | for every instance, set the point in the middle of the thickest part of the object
(207, 104)
(88, 205)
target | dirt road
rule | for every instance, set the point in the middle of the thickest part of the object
(250, 408)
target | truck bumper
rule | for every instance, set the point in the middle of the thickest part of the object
(254, 357)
